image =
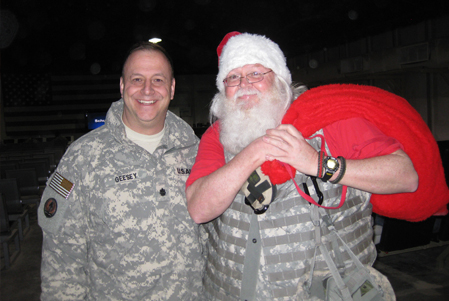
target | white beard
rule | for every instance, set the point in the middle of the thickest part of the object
(239, 126)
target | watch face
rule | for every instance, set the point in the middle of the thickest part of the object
(331, 163)
(331, 166)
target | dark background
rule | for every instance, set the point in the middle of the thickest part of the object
(92, 36)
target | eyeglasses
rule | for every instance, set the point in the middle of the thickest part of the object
(235, 80)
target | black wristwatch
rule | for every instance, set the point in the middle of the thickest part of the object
(331, 166)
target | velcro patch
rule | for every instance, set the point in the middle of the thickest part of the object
(50, 207)
(61, 185)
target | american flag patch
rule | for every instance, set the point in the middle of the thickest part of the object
(61, 185)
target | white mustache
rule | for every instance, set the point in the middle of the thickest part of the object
(246, 91)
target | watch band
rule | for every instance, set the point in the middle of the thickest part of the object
(342, 170)
(331, 166)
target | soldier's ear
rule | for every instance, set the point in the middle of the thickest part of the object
(122, 85)
(172, 88)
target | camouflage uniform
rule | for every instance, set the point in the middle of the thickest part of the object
(115, 221)
(271, 254)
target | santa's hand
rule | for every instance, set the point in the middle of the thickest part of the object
(292, 148)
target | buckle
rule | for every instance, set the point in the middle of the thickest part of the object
(317, 190)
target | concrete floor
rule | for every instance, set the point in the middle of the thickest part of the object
(421, 274)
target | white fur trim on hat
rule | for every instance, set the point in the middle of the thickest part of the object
(245, 49)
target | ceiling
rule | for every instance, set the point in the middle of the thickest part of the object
(92, 36)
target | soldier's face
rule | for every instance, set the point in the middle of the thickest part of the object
(147, 87)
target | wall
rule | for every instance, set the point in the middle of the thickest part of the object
(412, 62)
(193, 95)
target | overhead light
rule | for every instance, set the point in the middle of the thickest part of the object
(154, 40)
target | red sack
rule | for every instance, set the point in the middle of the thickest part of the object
(396, 118)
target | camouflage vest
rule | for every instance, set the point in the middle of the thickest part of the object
(288, 238)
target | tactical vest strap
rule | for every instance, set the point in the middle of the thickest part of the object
(352, 281)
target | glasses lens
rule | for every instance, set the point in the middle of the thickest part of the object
(233, 80)
(254, 77)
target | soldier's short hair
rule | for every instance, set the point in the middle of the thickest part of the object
(148, 46)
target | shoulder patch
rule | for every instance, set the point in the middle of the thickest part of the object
(50, 207)
(61, 185)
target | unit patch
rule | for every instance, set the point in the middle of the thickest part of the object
(61, 185)
(50, 207)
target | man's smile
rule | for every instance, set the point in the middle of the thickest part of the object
(146, 102)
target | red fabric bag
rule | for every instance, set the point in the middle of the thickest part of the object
(395, 117)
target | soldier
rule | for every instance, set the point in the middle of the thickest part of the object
(114, 214)
(275, 249)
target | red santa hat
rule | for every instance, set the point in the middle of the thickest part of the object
(239, 49)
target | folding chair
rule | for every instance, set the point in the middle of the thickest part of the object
(28, 184)
(8, 236)
(15, 210)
